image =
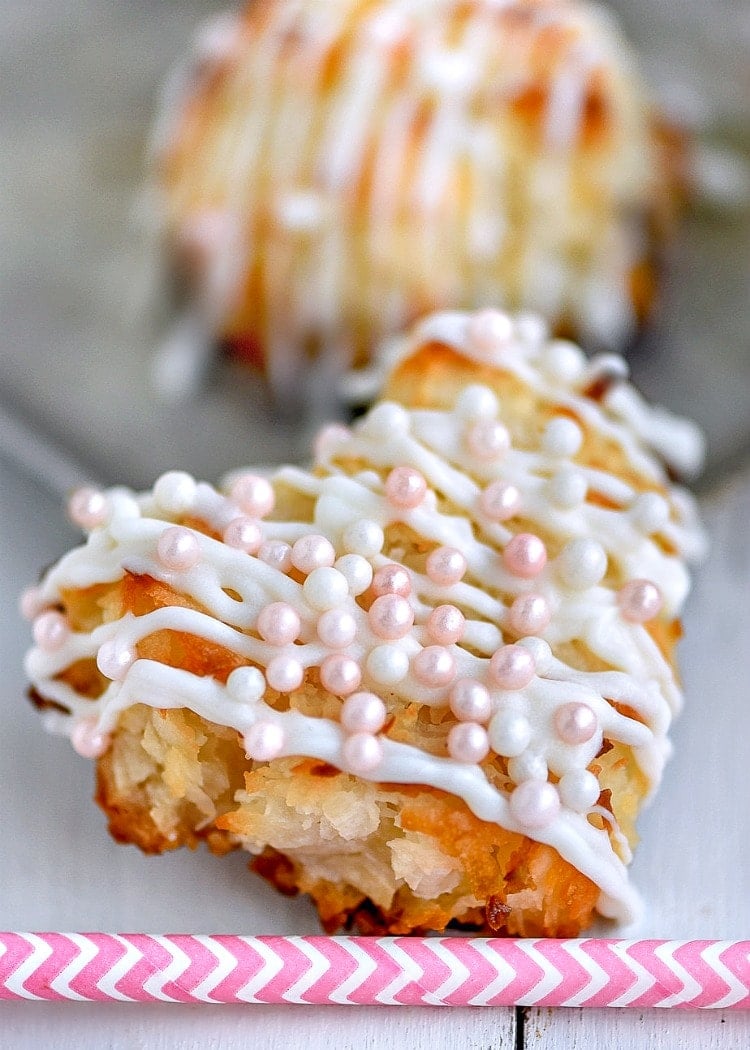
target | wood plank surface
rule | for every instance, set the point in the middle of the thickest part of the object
(636, 1030)
(90, 1026)
(79, 78)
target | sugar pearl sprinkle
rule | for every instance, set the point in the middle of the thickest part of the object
(88, 508)
(340, 602)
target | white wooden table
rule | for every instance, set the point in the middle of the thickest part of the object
(78, 81)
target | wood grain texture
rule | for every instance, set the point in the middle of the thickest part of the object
(636, 1030)
(67, 1026)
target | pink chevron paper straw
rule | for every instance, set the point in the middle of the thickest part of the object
(435, 971)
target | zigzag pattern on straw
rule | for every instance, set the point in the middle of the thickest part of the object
(391, 971)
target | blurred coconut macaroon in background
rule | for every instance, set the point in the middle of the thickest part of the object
(325, 173)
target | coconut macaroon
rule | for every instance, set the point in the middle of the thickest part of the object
(325, 174)
(427, 682)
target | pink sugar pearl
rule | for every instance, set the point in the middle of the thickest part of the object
(277, 554)
(30, 603)
(284, 674)
(253, 494)
(500, 501)
(487, 439)
(264, 741)
(178, 549)
(244, 534)
(470, 701)
(362, 753)
(88, 508)
(575, 723)
(512, 667)
(468, 742)
(336, 628)
(363, 713)
(525, 555)
(446, 624)
(489, 331)
(391, 616)
(114, 661)
(340, 674)
(328, 439)
(535, 803)
(392, 579)
(279, 623)
(445, 566)
(529, 614)
(640, 601)
(434, 666)
(405, 487)
(87, 740)
(50, 630)
(312, 552)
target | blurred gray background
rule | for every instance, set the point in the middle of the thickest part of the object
(79, 81)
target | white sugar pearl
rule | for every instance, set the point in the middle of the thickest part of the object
(477, 402)
(527, 766)
(530, 329)
(385, 420)
(387, 664)
(364, 537)
(123, 506)
(114, 660)
(246, 684)
(567, 489)
(357, 572)
(579, 790)
(562, 437)
(650, 512)
(337, 628)
(540, 650)
(325, 588)
(175, 492)
(535, 804)
(581, 564)
(563, 361)
(510, 733)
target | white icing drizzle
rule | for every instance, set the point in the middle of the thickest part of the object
(397, 120)
(549, 724)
